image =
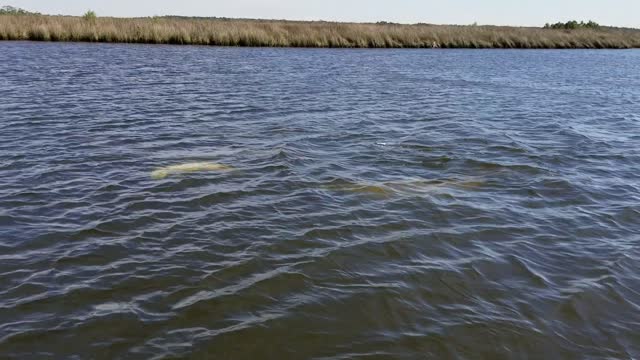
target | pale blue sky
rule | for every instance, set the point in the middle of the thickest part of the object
(500, 12)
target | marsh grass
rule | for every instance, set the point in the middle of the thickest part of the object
(239, 32)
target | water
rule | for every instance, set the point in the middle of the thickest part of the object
(384, 203)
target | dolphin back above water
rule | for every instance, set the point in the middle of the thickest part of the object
(162, 173)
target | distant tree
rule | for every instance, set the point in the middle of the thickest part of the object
(592, 25)
(572, 25)
(11, 10)
(90, 16)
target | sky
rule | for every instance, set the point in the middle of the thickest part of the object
(496, 12)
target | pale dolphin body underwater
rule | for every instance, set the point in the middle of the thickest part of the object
(407, 186)
(378, 189)
(162, 173)
(424, 185)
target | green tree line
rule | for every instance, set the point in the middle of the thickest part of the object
(572, 25)
(11, 10)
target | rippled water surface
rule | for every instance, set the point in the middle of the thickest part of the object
(379, 203)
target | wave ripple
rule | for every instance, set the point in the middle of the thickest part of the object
(382, 204)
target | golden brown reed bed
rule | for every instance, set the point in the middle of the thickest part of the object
(227, 32)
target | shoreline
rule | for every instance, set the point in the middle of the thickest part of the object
(303, 47)
(305, 34)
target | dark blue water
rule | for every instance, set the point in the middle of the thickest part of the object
(463, 204)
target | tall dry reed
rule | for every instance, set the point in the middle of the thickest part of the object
(196, 31)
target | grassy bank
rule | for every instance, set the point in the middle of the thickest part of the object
(232, 32)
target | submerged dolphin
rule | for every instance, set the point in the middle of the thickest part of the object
(422, 185)
(162, 173)
(362, 187)
(406, 186)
